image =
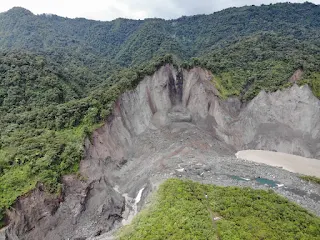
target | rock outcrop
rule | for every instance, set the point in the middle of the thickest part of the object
(172, 118)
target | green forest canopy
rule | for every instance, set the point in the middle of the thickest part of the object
(60, 77)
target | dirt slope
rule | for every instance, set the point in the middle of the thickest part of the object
(173, 125)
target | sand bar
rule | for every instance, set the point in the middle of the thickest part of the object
(289, 162)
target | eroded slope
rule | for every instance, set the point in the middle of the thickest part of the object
(173, 124)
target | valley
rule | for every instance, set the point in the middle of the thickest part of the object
(203, 127)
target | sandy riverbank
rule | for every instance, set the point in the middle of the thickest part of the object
(292, 163)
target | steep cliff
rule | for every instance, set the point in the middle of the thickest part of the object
(286, 121)
(172, 124)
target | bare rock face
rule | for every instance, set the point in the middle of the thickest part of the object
(173, 118)
(285, 121)
(30, 212)
(160, 100)
(86, 209)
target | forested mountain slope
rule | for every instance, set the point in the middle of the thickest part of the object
(60, 77)
(134, 41)
(263, 61)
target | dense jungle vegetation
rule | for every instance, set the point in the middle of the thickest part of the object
(59, 77)
(181, 210)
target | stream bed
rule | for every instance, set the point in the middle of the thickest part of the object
(259, 180)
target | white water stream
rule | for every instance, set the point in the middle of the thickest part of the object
(131, 205)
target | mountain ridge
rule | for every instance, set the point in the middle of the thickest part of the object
(107, 38)
(26, 10)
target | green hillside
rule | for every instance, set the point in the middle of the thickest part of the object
(263, 61)
(59, 77)
(180, 210)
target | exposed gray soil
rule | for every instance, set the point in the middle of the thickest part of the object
(174, 127)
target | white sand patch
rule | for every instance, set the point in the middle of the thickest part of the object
(292, 163)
